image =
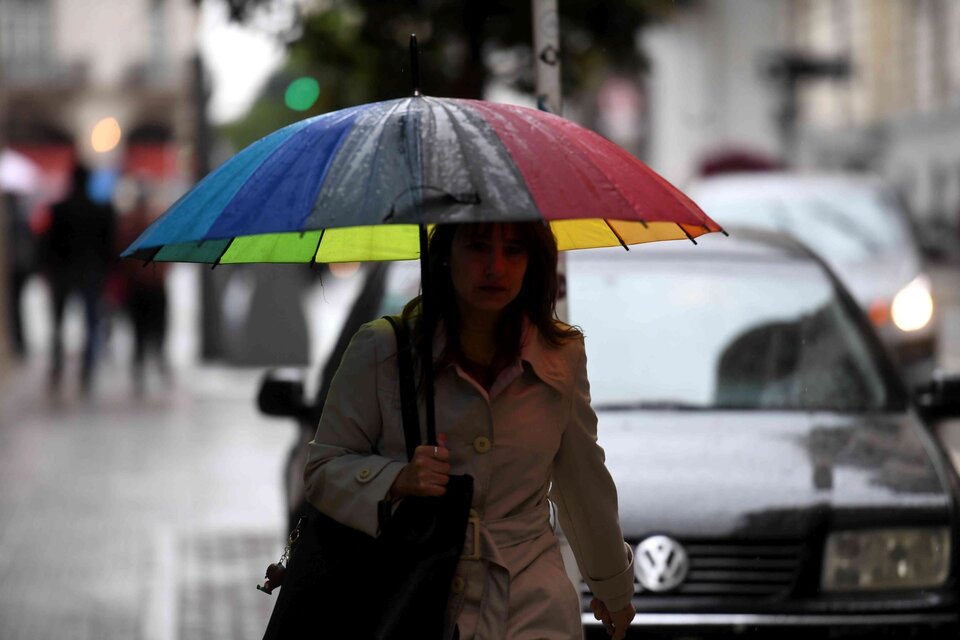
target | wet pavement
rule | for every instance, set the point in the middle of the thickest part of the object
(125, 518)
(154, 518)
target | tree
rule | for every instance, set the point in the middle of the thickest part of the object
(357, 49)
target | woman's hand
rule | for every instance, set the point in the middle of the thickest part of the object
(427, 474)
(615, 622)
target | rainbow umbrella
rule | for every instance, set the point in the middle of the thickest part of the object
(365, 183)
(356, 185)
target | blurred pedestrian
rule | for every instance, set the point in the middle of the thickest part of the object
(78, 250)
(143, 295)
(19, 183)
(513, 398)
(20, 254)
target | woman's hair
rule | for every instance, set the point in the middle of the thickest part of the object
(537, 299)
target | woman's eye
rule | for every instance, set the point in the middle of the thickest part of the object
(514, 250)
(477, 245)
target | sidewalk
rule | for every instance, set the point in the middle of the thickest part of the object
(146, 519)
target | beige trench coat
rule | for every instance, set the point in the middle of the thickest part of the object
(535, 426)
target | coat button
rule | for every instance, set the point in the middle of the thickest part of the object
(457, 585)
(481, 444)
(363, 475)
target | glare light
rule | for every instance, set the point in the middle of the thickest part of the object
(912, 307)
(344, 269)
(301, 94)
(106, 135)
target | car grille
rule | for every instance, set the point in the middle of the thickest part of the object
(742, 569)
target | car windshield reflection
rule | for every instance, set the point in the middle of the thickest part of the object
(682, 333)
(850, 225)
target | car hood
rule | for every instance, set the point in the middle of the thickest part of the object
(763, 474)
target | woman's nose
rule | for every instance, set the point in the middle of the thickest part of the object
(495, 261)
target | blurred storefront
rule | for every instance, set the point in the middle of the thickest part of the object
(67, 67)
(108, 83)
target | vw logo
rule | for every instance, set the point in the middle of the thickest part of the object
(660, 563)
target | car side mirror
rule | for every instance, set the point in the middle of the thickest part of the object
(281, 393)
(940, 397)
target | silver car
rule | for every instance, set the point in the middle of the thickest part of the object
(859, 226)
(773, 471)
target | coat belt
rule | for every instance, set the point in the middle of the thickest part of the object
(485, 538)
(489, 541)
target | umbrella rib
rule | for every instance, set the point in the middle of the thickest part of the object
(686, 233)
(722, 230)
(313, 258)
(222, 253)
(614, 232)
(153, 255)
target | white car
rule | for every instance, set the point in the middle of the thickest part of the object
(859, 226)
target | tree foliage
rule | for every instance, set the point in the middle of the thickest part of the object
(358, 49)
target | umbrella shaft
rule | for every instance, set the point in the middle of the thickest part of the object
(426, 308)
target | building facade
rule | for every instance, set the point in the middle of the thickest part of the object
(871, 84)
(899, 112)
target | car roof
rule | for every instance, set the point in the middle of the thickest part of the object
(742, 242)
(784, 182)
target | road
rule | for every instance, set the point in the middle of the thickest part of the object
(154, 518)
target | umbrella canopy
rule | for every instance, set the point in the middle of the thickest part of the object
(355, 184)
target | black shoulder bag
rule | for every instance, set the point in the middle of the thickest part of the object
(341, 582)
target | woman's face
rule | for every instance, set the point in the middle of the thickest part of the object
(487, 265)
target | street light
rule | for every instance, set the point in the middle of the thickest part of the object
(105, 135)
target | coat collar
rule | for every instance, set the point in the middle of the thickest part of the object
(545, 361)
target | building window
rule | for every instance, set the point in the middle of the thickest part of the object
(25, 32)
(158, 45)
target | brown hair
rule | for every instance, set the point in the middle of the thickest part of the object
(537, 299)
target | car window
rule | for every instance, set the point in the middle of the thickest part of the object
(844, 224)
(724, 334)
(403, 284)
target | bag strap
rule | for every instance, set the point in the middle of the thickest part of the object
(408, 390)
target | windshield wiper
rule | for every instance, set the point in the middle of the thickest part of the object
(655, 405)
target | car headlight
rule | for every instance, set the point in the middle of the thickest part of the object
(886, 559)
(912, 307)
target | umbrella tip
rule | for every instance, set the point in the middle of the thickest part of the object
(415, 64)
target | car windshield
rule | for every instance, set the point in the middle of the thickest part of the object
(723, 334)
(847, 224)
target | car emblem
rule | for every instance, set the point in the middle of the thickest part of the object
(660, 563)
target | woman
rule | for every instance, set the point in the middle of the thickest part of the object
(513, 409)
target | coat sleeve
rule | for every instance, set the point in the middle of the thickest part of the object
(345, 477)
(586, 499)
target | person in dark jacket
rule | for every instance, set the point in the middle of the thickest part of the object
(20, 255)
(79, 249)
(144, 295)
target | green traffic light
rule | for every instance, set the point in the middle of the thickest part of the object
(302, 93)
